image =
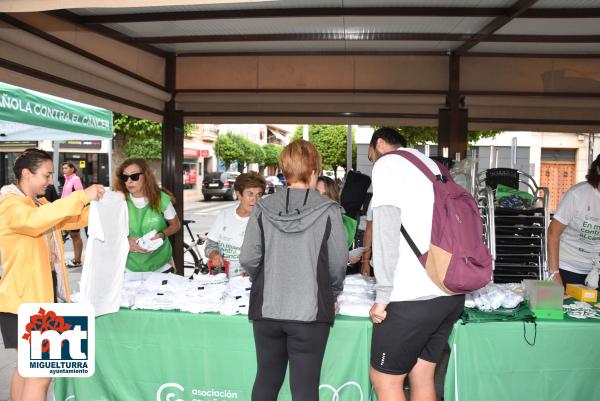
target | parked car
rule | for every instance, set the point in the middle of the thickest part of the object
(219, 184)
(273, 184)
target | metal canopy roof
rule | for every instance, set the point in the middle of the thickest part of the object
(520, 63)
(289, 22)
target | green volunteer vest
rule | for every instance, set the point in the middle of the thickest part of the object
(142, 221)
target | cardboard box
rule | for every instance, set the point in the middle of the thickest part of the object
(582, 293)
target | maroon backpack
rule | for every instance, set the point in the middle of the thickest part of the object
(457, 260)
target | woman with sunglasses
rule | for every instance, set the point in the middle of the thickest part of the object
(31, 250)
(150, 208)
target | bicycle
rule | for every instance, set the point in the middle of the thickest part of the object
(192, 254)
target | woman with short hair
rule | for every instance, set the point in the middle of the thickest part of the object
(227, 232)
(295, 252)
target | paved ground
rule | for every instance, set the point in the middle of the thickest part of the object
(203, 213)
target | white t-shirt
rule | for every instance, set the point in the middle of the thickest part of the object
(228, 231)
(169, 212)
(101, 282)
(579, 210)
(397, 182)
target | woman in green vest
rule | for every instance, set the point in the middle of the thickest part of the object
(150, 209)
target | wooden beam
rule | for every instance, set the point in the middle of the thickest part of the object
(532, 94)
(533, 121)
(387, 53)
(542, 38)
(312, 12)
(519, 7)
(319, 91)
(295, 114)
(38, 74)
(381, 36)
(303, 37)
(561, 13)
(102, 30)
(77, 50)
(316, 53)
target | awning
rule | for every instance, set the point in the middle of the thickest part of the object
(30, 115)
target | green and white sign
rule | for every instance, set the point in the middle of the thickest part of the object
(169, 356)
(23, 111)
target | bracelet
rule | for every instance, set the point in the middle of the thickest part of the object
(164, 234)
(552, 274)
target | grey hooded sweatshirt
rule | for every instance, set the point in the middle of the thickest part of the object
(295, 252)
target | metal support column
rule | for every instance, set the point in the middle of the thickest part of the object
(453, 119)
(172, 159)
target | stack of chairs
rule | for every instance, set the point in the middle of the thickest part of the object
(517, 238)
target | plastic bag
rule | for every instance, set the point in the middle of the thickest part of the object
(503, 191)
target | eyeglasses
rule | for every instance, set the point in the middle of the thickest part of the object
(134, 177)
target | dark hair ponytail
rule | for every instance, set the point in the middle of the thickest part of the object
(30, 159)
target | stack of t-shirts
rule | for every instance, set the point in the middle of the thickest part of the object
(493, 296)
(204, 293)
(358, 296)
(160, 291)
(128, 292)
(237, 296)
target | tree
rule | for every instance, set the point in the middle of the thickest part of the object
(420, 135)
(330, 141)
(272, 152)
(246, 147)
(227, 149)
(139, 138)
(258, 154)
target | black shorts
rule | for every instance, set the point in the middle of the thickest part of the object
(8, 326)
(413, 330)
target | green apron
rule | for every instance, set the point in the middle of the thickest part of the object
(142, 221)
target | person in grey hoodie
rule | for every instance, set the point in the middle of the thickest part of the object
(295, 252)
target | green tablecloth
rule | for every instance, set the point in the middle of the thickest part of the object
(493, 361)
(167, 355)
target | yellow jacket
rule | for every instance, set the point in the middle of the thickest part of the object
(24, 245)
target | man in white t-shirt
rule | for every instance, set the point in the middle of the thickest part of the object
(574, 233)
(226, 235)
(413, 317)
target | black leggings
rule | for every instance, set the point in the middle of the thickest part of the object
(303, 344)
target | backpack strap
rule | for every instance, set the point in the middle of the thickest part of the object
(418, 163)
(410, 242)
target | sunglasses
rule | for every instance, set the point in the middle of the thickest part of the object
(134, 177)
